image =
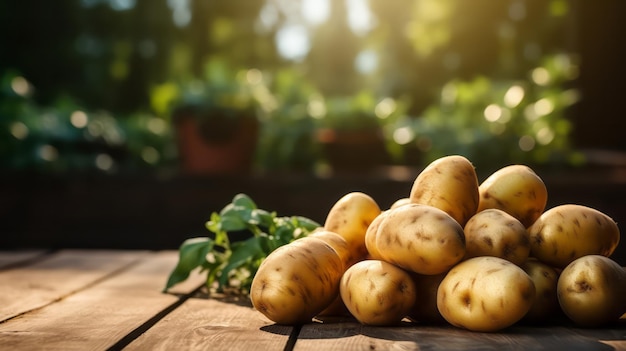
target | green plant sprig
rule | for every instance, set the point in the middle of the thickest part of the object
(233, 264)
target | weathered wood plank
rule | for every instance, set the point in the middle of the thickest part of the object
(214, 324)
(26, 288)
(97, 317)
(11, 258)
(354, 336)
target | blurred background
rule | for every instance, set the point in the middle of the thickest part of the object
(125, 123)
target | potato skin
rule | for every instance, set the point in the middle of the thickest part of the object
(297, 281)
(449, 183)
(370, 236)
(546, 306)
(420, 238)
(567, 232)
(485, 294)
(339, 244)
(517, 190)
(350, 217)
(400, 202)
(493, 232)
(591, 291)
(377, 292)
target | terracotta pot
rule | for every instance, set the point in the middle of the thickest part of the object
(215, 146)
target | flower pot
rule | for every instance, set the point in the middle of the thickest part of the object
(213, 143)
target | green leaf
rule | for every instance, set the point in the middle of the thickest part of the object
(192, 254)
(262, 218)
(243, 252)
(283, 235)
(213, 224)
(243, 200)
(233, 221)
(306, 223)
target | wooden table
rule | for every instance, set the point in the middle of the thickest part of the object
(99, 300)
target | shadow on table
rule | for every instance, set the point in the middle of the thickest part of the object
(446, 337)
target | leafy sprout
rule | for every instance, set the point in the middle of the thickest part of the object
(233, 264)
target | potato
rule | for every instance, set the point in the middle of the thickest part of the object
(485, 294)
(339, 244)
(567, 232)
(370, 236)
(350, 217)
(450, 184)
(400, 202)
(546, 306)
(493, 232)
(517, 190)
(591, 291)
(377, 292)
(297, 281)
(425, 308)
(420, 238)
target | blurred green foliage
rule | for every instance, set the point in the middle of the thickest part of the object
(98, 79)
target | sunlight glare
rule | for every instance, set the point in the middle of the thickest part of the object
(514, 96)
(150, 155)
(545, 135)
(316, 108)
(316, 11)
(19, 130)
(492, 113)
(254, 76)
(157, 126)
(526, 143)
(543, 107)
(360, 17)
(48, 153)
(79, 119)
(293, 42)
(21, 86)
(385, 108)
(403, 135)
(366, 61)
(104, 162)
(541, 76)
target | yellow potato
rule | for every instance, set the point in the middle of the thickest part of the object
(297, 281)
(370, 236)
(450, 184)
(493, 232)
(425, 308)
(591, 291)
(350, 217)
(517, 190)
(400, 202)
(485, 294)
(338, 243)
(420, 238)
(546, 306)
(377, 292)
(567, 232)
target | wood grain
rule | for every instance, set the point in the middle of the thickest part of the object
(410, 336)
(97, 317)
(30, 287)
(214, 324)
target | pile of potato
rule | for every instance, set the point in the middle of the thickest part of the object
(481, 257)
